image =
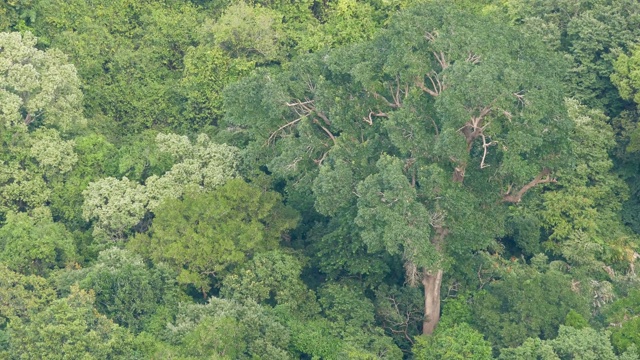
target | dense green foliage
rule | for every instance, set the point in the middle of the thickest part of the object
(377, 179)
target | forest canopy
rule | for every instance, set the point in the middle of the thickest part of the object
(402, 179)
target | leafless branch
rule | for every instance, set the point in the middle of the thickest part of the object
(369, 119)
(441, 59)
(543, 178)
(294, 164)
(438, 85)
(307, 107)
(412, 273)
(482, 282)
(435, 126)
(520, 96)
(300, 103)
(474, 128)
(431, 36)
(395, 92)
(290, 123)
(575, 285)
(473, 58)
(319, 161)
(325, 130)
(485, 145)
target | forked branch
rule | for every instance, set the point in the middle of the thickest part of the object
(543, 178)
(436, 83)
(372, 114)
(396, 92)
(303, 109)
(485, 145)
(475, 127)
(473, 58)
(290, 123)
(441, 59)
(431, 36)
(520, 96)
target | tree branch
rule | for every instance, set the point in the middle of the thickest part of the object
(395, 94)
(325, 130)
(441, 59)
(438, 86)
(290, 123)
(431, 36)
(369, 120)
(543, 178)
(473, 128)
(485, 145)
(473, 58)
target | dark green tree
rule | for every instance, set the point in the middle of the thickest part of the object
(571, 343)
(35, 244)
(70, 328)
(528, 301)
(226, 329)
(591, 34)
(129, 55)
(126, 290)
(423, 137)
(453, 343)
(205, 235)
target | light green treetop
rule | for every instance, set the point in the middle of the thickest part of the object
(36, 85)
(203, 165)
(52, 153)
(248, 32)
(117, 205)
(226, 329)
(30, 164)
(37, 89)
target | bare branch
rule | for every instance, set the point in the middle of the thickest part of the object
(28, 119)
(315, 121)
(473, 128)
(412, 273)
(431, 36)
(369, 120)
(485, 145)
(319, 161)
(441, 59)
(473, 58)
(300, 103)
(435, 126)
(543, 178)
(324, 117)
(520, 96)
(290, 123)
(436, 83)
(508, 115)
(303, 109)
(391, 104)
(307, 107)
(294, 164)
(395, 92)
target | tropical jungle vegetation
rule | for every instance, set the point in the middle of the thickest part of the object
(306, 179)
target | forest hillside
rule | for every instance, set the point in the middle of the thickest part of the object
(306, 179)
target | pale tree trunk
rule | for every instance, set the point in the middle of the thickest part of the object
(431, 282)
